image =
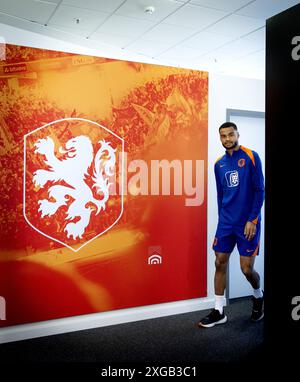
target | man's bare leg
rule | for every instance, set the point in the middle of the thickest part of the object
(247, 267)
(221, 264)
(217, 316)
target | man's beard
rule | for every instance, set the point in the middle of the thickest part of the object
(231, 147)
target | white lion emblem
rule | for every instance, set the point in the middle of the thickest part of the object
(73, 170)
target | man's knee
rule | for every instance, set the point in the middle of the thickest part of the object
(221, 261)
(247, 270)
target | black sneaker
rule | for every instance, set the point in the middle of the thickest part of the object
(213, 318)
(257, 309)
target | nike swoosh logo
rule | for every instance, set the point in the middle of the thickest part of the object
(250, 250)
(222, 165)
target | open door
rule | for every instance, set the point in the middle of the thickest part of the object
(251, 126)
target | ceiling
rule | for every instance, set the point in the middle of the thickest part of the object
(223, 36)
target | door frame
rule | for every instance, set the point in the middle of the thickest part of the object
(240, 113)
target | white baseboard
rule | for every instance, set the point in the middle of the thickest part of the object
(97, 320)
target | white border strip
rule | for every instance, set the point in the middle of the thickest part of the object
(97, 320)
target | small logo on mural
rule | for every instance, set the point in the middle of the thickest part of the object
(2, 308)
(154, 255)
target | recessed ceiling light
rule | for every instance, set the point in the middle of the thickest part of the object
(149, 10)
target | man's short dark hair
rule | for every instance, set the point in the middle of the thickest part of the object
(228, 124)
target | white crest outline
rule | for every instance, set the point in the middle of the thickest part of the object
(24, 181)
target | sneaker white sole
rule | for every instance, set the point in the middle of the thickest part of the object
(213, 324)
(260, 318)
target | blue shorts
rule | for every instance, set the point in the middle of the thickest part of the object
(227, 236)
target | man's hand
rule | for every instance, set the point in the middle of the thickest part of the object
(250, 230)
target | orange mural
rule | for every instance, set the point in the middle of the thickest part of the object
(103, 184)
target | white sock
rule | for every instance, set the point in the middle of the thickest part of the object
(219, 303)
(257, 293)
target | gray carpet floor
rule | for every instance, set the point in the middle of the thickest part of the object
(169, 339)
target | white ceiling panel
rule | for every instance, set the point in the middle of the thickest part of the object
(266, 8)
(212, 63)
(218, 35)
(125, 26)
(73, 31)
(236, 49)
(183, 52)
(148, 48)
(168, 33)
(182, 63)
(192, 16)
(115, 40)
(28, 9)
(207, 41)
(215, 62)
(66, 16)
(258, 58)
(98, 5)
(251, 66)
(230, 5)
(236, 25)
(245, 45)
(256, 39)
(136, 9)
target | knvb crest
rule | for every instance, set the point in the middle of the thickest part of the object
(73, 180)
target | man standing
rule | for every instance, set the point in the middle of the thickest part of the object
(240, 190)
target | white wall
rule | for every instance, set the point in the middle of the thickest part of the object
(224, 92)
